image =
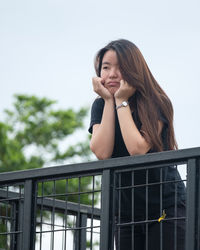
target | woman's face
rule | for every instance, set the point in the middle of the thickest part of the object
(110, 72)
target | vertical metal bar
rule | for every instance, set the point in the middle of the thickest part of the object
(147, 212)
(133, 208)
(114, 195)
(6, 219)
(190, 205)
(28, 220)
(92, 215)
(119, 210)
(198, 204)
(20, 219)
(41, 215)
(13, 225)
(53, 217)
(63, 233)
(175, 214)
(34, 214)
(105, 211)
(83, 231)
(78, 218)
(161, 208)
(76, 231)
(66, 214)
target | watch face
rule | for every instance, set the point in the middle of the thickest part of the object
(124, 104)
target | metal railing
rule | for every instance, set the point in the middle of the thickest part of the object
(78, 206)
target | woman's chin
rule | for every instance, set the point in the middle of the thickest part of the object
(113, 90)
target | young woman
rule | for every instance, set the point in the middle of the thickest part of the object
(134, 116)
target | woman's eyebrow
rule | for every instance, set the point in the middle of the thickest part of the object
(105, 63)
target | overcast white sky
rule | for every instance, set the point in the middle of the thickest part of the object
(47, 49)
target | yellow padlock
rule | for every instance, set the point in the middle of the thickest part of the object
(162, 217)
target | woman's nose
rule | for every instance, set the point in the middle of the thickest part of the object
(113, 73)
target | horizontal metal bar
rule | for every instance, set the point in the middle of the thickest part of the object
(60, 205)
(151, 165)
(149, 184)
(70, 193)
(67, 229)
(10, 196)
(149, 221)
(72, 207)
(10, 233)
(173, 156)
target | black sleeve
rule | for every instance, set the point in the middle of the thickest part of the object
(96, 113)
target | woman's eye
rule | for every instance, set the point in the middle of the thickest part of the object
(105, 67)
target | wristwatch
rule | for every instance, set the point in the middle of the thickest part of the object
(123, 104)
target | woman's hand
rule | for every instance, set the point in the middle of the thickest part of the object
(124, 92)
(98, 87)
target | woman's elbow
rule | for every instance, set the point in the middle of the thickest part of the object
(102, 157)
(138, 150)
(100, 154)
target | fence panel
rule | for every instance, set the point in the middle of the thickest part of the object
(144, 211)
(11, 216)
(81, 206)
(68, 215)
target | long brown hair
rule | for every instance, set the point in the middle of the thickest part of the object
(149, 100)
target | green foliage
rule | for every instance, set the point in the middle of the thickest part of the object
(3, 238)
(35, 134)
(4, 224)
(33, 126)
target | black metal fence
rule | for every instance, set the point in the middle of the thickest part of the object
(79, 206)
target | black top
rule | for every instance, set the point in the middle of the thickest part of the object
(169, 173)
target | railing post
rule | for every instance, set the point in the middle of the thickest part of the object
(83, 231)
(198, 204)
(106, 211)
(28, 234)
(192, 218)
(80, 234)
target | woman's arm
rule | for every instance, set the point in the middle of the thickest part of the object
(133, 139)
(102, 141)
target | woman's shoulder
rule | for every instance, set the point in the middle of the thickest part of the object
(96, 112)
(98, 103)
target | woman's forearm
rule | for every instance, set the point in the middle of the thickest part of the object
(102, 142)
(134, 141)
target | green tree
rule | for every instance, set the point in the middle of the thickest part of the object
(32, 135)
(33, 131)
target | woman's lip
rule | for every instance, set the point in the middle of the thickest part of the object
(113, 84)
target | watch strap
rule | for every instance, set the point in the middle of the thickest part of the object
(123, 104)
